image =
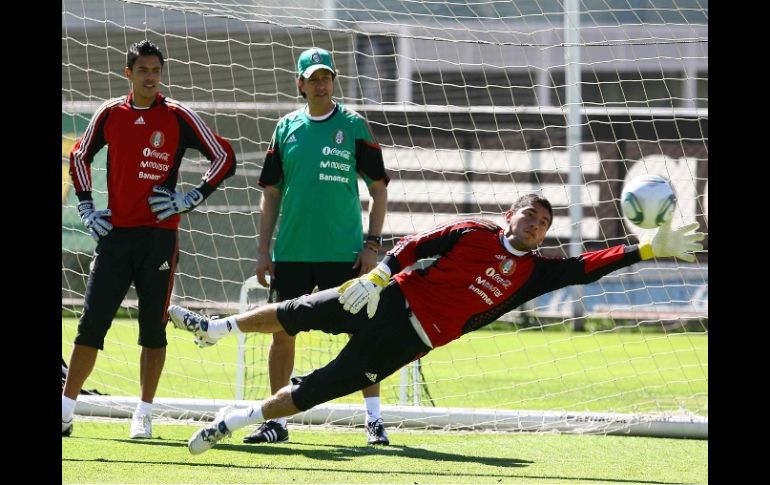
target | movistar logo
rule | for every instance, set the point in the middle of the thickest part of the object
(337, 165)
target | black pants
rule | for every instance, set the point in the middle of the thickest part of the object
(377, 348)
(293, 279)
(146, 256)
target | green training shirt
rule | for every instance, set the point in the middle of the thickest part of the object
(315, 165)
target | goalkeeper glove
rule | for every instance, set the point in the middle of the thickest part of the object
(673, 242)
(170, 202)
(364, 290)
(94, 220)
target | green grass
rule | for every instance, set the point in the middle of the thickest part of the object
(622, 372)
(529, 369)
(100, 452)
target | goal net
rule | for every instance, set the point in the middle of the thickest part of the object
(474, 104)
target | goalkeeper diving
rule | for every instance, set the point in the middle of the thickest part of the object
(481, 272)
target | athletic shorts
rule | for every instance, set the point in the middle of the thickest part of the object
(144, 256)
(293, 279)
(378, 347)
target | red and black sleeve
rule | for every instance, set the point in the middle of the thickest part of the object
(86, 147)
(434, 242)
(583, 269)
(194, 133)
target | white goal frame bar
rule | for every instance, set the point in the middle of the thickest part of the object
(441, 418)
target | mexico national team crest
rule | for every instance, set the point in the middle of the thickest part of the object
(157, 139)
(339, 138)
(507, 266)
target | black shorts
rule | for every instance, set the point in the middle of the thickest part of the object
(145, 256)
(377, 348)
(293, 279)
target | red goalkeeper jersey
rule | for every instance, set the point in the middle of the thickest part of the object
(145, 149)
(477, 277)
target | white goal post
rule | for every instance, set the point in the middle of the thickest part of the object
(474, 104)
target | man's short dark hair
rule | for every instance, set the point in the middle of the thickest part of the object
(142, 48)
(532, 199)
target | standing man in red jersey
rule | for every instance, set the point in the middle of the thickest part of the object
(136, 234)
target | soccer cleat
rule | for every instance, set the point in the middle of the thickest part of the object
(141, 426)
(192, 322)
(205, 438)
(375, 431)
(204, 342)
(66, 427)
(270, 432)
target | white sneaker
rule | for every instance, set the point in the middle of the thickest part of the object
(66, 427)
(141, 426)
(192, 322)
(205, 438)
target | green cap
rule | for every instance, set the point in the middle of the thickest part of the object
(312, 60)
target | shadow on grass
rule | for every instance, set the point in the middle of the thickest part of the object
(390, 471)
(330, 452)
(339, 453)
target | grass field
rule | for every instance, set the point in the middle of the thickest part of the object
(618, 372)
(554, 370)
(100, 452)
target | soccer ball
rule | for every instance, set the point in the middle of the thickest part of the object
(648, 201)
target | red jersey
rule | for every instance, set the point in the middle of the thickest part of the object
(476, 278)
(145, 149)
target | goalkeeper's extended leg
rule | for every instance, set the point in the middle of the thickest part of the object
(229, 420)
(208, 331)
(205, 438)
(192, 322)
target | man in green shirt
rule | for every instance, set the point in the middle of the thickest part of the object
(310, 175)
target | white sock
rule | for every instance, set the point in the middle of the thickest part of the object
(222, 327)
(239, 418)
(67, 408)
(372, 409)
(281, 421)
(143, 408)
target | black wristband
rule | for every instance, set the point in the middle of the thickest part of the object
(377, 239)
(205, 189)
